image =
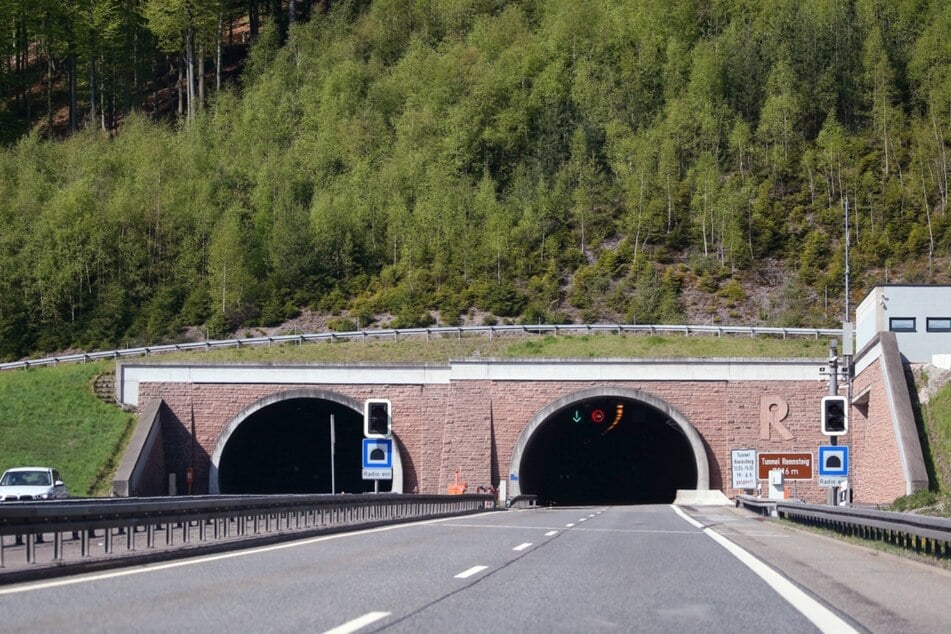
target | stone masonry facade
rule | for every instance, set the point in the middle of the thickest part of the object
(474, 425)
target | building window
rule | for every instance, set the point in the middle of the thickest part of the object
(939, 324)
(901, 324)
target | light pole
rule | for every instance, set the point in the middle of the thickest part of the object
(847, 272)
(833, 391)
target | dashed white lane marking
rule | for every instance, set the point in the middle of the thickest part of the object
(568, 525)
(358, 623)
(582, 519)
(821, 616)
(550, 533)
(471, 571)
(523, 546)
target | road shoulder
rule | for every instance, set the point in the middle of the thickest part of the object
(879, 591)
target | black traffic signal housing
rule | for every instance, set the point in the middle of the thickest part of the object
(835, 415)
(377, 421)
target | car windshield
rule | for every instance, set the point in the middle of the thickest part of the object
(25, 479)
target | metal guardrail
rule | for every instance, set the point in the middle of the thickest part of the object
(364, 335)
(921, 533)
(60, 534)
(762, 506)
(524, 501)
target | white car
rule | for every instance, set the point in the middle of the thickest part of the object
(31, 483)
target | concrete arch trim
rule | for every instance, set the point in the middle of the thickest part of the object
(214, 486)
(690, 432)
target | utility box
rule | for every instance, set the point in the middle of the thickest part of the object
(775, 482)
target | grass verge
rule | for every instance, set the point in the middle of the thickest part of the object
(51, 417)
(442, 348)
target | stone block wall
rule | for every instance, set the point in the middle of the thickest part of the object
(473, 425)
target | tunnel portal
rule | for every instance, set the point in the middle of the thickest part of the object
(285, 447)
(607, 450)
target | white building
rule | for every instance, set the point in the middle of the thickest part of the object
(919, 315)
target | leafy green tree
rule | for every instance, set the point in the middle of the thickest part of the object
(779, 121)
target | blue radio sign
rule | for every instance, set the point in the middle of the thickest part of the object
(834, 461)
(377, 453)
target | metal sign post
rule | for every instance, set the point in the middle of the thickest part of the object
(333, 442)
(833, 391)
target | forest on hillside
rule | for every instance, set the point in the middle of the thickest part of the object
(410, 162)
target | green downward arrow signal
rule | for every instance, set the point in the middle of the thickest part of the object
(577, 417)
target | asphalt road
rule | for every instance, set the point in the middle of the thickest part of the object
(645, 569)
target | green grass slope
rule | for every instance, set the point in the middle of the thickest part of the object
(51, 417)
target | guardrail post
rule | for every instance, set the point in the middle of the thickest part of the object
(84, 543)
(30, 548)
(57, 546)
(108, 540)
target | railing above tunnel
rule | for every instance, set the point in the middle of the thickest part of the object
(456, 331)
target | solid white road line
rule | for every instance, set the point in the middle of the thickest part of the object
(471, 571)
(821, 616)
(359, 623)
(523, 546)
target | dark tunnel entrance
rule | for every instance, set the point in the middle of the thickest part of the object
(607, 450)
(285, 448)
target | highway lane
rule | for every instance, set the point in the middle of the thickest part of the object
(566, 570)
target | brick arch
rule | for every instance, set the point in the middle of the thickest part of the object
(271, 399)
(689, 431)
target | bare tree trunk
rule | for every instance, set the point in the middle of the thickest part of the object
(201, 77)
(181, 87)
(943, 172)
(218, 52)
(190, 71)
(72, 91)
(670, 205)
(924, 199)
(49, 89)
(93, 107)
(254, 18)
(885, 131)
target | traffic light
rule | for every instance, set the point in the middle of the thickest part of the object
(376, 418)
(835, 415)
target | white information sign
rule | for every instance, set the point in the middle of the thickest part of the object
(829, 482)
(377, 474)
(744, 468)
